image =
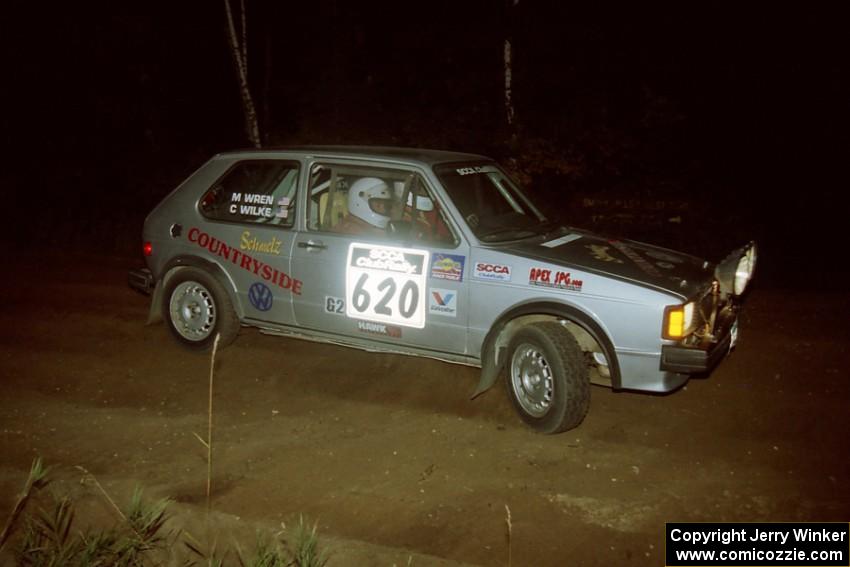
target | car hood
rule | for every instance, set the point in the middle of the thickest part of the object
(636, 262)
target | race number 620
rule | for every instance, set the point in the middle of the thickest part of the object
(386, 284)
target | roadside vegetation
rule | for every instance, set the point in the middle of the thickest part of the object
(42, 531)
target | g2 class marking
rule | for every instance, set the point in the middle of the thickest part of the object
(334, 305)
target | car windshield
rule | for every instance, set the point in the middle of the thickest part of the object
(493, 206)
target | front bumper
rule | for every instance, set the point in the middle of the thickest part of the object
(141, 279)
(703, 358)
(692, 360)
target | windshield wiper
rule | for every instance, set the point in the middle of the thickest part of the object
(487, 236)
(549, 229)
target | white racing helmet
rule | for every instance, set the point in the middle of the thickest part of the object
(362, 196)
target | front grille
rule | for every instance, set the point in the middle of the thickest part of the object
(708, 306)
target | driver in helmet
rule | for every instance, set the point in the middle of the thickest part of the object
(421, 216)
(369, 203)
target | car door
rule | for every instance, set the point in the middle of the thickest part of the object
(379, 260)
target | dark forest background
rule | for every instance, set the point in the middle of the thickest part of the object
(698, 126)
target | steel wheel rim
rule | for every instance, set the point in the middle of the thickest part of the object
(192, 311)
(532, 380)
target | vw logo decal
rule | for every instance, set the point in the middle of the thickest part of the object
(260, 296)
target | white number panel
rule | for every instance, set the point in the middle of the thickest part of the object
(386, 284)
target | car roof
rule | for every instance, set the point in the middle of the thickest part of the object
(419, 156)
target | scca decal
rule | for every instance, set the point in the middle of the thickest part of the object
(244, 261)
(552, 278)
(495, 272)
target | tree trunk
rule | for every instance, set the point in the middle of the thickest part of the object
(509, 105)
(510, 114)
(240, 57)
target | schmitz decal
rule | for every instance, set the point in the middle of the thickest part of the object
(250, 242)
(493, 272)
(554, 278)
(386, 284)
(447, 267)
(443, 302)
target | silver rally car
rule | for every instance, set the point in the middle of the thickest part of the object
(436, 254)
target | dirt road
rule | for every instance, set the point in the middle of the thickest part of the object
(388, 452)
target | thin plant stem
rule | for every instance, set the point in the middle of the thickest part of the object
(35, 480)
(102, 491)
(510, 529)
(210, 425)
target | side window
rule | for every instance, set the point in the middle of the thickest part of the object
(256, 191)
(392, 204)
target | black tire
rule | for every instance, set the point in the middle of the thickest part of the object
(547, 378)
(196, 308)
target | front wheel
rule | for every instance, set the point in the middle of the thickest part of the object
(197, 308)
(547, 378)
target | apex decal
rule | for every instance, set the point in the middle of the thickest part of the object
(492, 272)
(218, 248)
(554, 279)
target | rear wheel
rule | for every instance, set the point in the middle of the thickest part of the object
(197, 308)
(547, 378)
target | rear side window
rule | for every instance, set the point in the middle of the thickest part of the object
(255, 192)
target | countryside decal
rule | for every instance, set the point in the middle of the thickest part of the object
(245, 261)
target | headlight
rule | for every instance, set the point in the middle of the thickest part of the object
(735, 272)
(742, 275)
(678, 321)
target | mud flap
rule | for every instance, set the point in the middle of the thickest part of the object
(491, 367)
(155, 313)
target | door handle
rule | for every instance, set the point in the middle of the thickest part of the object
(316, 244)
